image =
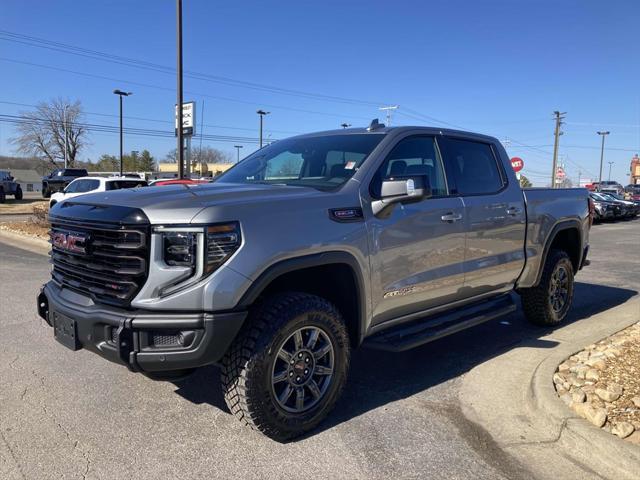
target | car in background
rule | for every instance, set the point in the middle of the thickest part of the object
(604, 210)
(634, 206)
(634, 191)
(8, 186)
(58, 180)
(610, 186)
(627, 209)
(85, 185)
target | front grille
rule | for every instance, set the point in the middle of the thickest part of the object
(105, 261)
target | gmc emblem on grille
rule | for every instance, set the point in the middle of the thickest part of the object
(71, 242)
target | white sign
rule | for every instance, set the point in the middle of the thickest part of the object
(188, 118)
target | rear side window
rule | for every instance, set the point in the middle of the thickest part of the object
(82, 186)
(473, 165)
(118, 184)
(412, 156)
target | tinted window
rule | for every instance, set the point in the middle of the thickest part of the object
(412, 156)
(83, 186)
(473, 165)
(73, 186)
(323, 162)
(118, 184)
(75, 172)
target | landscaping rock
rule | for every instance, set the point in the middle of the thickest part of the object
(611, 393)
(592, 375)
(622, 429)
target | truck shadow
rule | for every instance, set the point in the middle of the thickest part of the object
(377, 378)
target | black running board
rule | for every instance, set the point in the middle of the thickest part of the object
(413, 334)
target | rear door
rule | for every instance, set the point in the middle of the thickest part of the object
(494, 214)
(417, 249)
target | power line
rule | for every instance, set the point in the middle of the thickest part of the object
(102, 56)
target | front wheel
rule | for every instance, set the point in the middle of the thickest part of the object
(548, 303)
(3, 196)
(18, 195)
(287, 368)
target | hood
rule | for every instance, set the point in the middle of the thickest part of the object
(181, 203)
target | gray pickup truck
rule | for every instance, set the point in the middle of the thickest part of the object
(308, 248)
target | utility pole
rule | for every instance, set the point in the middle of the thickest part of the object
(579, 175)
(604, 134)
(610, 163)
(238, 147)
(559, 117)
(180, 148)
(389, 109)
(261, 113)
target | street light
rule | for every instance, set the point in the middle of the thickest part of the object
(345, 125)
(604, 134)
(121, 94)
(262, 113)
(610, 163)
(238, 147)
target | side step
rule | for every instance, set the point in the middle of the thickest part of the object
(413, 334)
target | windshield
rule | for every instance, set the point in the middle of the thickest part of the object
(324, 162)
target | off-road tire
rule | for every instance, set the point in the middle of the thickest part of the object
(18, 195)
(46, 192)
(246, 372)
(3, 196)
(536, 301)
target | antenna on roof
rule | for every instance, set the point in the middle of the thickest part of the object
(374, 125)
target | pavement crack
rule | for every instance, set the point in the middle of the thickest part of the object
(13, 455)
(12, 362)
(563, 425)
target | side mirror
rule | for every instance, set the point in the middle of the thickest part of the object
(402, 189)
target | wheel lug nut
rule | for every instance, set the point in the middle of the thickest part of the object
(299, 355)
(297, 379)
(306, 371)
(306, 359)
(291, 374)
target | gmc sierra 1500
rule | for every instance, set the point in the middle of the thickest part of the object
(311, 246)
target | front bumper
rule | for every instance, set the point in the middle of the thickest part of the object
(142, 340)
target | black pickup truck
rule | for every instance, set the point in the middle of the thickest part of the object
(57, 180)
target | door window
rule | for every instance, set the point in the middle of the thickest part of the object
(474, 166)
(412, 156)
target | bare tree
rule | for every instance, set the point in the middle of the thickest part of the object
(206, 154)
(41, 133)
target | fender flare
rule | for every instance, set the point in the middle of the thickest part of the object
(289, 265)
(570, 224)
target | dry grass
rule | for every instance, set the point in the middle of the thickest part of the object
(37, 225)
(22, 207)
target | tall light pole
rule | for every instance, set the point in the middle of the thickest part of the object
(261, 113)
(180, 147)
(610, 163)
(238, 147)
(121, 94)
(604, 134)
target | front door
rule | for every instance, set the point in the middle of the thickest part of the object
(417, 251)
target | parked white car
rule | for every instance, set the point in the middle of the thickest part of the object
(83, 185)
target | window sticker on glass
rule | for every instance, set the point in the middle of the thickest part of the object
(349, 165)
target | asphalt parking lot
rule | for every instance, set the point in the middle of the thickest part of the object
(74, 415)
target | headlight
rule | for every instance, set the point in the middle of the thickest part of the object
(197, 250)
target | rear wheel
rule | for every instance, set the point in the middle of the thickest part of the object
(548, 303)
(3, 196)
(46, 192)
(18, 195)
(288, 366)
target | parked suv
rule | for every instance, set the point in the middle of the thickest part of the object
(8, 186)
(309, 248)
(84, 185)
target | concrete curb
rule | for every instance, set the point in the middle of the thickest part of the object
(586, 444)
(512, 396)
(25, 242)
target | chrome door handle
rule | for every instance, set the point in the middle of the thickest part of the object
(514, 211)
(451, 217)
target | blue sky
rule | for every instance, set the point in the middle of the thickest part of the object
(497, 67)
